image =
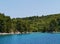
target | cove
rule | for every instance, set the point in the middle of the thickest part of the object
(32, 38)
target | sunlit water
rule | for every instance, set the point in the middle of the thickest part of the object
(33, 38)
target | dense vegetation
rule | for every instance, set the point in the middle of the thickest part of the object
(49, 23)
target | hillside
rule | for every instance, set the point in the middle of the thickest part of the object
(49, 23)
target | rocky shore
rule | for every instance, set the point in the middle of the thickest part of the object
(14, 33)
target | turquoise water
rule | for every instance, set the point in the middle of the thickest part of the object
(33, 38)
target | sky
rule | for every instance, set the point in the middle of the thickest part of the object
(26, 8)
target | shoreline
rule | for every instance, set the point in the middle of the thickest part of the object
(14, 33)
(22, 33)
(7, 33)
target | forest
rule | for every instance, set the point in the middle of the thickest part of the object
(48, 23)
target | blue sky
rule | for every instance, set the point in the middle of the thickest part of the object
(25, 8)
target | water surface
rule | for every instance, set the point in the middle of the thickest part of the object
(33, 38)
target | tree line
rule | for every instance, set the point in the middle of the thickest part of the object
(49, 23)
